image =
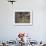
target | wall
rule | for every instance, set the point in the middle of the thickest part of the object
(9, 31)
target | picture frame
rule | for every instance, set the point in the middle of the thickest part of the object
(23, 17)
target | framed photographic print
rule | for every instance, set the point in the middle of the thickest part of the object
(23, 17)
